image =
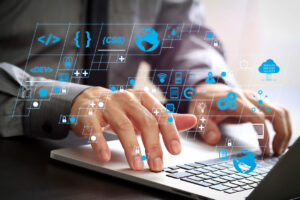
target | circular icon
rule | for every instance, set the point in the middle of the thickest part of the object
(147, 39)
(224, 102)
(267, 109)
(231, 96)
(189, 92)
(232, 105)
(253, 109)
(244, 161)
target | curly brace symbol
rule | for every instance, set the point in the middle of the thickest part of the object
(87, 42)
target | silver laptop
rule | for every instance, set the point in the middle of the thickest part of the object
(196, 173)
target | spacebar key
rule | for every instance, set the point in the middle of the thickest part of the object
(180, 175)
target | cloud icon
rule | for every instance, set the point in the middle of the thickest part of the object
(269, 67)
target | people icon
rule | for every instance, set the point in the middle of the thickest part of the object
(210, 79)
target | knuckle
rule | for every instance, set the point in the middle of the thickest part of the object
(123, 125)
(155, 148)
(150, 121)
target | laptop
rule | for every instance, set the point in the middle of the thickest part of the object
(198, 172)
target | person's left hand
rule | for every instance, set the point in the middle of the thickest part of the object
(278, 115)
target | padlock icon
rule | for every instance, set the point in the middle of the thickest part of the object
(229, 142)
(216, 43)
(64, 119)
(68, 61)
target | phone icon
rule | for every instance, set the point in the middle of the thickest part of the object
(178, 77)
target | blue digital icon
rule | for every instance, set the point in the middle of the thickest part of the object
(260, 100)
(170, 119)
(113, 88)
(174, 92)
(244, 161)
(189, 92)
(63, 77)
(132, 82)
(41, 69)
(173, 32)
(170, 107)
(162, 77)
(68, 60)
(269, 67)
(178, 77)
(49, 39)
(143, 157)
(88, 39)
(222, 154)
(223, 74)
(209, 35)
(43, 92)
(210, 79)
(56, 89)
(224, 103)
(147, 39)
(72, 120)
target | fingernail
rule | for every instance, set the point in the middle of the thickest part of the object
(138, 163)
(281, 149)
(175, 147)
(104, 155)
(210, 136)
(157, 164)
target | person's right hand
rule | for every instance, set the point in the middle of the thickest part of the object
(127, 113)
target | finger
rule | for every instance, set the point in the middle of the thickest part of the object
(184, 122)
(121, 125)
(212, 133)
(90, 127)
(146, 123)
(165, 120)
(277, 116)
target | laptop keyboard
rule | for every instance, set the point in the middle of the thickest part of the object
(221, 176)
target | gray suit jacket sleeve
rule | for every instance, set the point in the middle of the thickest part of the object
(41, 122)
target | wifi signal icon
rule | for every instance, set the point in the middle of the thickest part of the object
(162, 77)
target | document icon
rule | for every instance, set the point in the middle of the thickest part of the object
(174, 92)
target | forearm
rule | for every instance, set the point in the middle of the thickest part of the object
(26, 112)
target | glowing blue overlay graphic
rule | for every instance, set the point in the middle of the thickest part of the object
(41, 69)
(88, 39)
(222, 154)
(260, 101)
(224, 103)
(210, 78)
(244, 161)
(147, 39)
(269, 67)
(49, 39)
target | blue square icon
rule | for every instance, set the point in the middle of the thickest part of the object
(43, 92)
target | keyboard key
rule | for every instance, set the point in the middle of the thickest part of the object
(195, 165)
(202, 183)
(220, 173)
(230, 191)
(202, 170)
(212, 182)
(210, 168)
(220, 180)
(203, 176)
(195, 178)
(254, 180)
(185, 167)
(227, 171)
(219, 187)
(174, 167)
(171, 171)
(228, 178)
(212, 175)
(180, 175)
(230, 185)
(253, 185)
(246, 181)
(238, 183)
(195, 172)
(236, 176)
(259, 177)
(247, 187)
(244, 175)
(238, 189)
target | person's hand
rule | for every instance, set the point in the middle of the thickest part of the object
(127, 113)
(244, 102)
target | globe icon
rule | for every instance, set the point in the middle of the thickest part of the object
(147, 39)
(244, 161)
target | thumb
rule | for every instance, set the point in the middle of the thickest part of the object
(212, 133)
(184, 121)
